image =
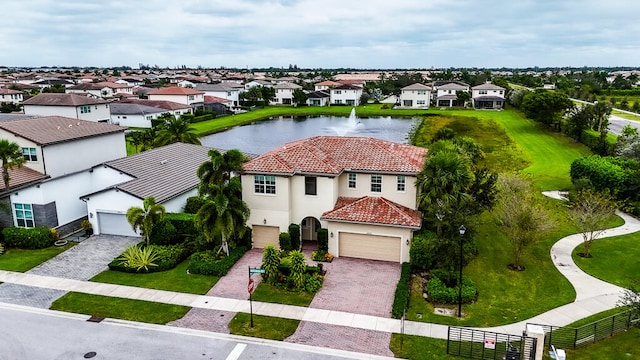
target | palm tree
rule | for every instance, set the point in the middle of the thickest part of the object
(445, 177)
(11, 156)
(145, 218)
(177, 130)
(223, 214)
(221, 167)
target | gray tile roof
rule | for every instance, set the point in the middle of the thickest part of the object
(56, 99)
(218, 87)
(417, 86)
(452, 86)
(487, 86)
(56, 129)
(287, 85)
(118, 108)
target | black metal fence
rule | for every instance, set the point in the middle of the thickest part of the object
(573, 338)
(478, 344)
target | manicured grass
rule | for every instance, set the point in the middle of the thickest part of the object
(625, 115)
(623, 251)
(112, 307)
(266, 327)
(599, 316)
(175, 279)
(21, 260)
(620, 346)
(273, 294)
(418, 348)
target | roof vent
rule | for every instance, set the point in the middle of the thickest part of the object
(163, 162)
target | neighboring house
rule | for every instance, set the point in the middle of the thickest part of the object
(133, 82)
(446, 92)
(103, 90)
(177, 94)
(134, 115)
(488, 96)
(318, 98)
(218, 105)
(345, 95)
(284, 93)
(415, 96)
(10, 96)
(326, 85)
(230, 91)
(361, 189)
(173, 108)
(45, 83)
(255, 83)
(167, 173)
(67, 105)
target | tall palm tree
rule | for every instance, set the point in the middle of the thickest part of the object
(145, 218)
(11, 157)
(177, 130)
(445, 177)
(223, 214)
(221, 167)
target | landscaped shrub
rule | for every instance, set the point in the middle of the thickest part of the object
(313, 283)
(321, 256)
(209, 263)
(137, 258)
(294, 234)
(285, 242)
(194, 204)
(163, 233)
(184, 224)
(323, 240)
(245, 239)
(270, 263)
(438, 291)
(165, 257)
(591, 139)
(613, 173)
(28, 238)
(423, 250)
(298, 268)
(401, 298)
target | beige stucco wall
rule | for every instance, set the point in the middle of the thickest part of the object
(389, 183)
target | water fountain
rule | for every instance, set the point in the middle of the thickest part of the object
(350, 126)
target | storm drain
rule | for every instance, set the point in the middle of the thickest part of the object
(95, 319)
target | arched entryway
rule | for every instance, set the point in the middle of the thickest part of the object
(308, 228)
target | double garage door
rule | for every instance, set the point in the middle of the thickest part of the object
(265, 235)
(372, 247)
(114, 224)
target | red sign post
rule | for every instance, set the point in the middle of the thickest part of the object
(252, 286)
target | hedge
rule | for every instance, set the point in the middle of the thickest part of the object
(604, 172)
(438, 291)
(169, 257)
(294, 234)
(194, 204)
(163, 233)
(401, 298)
(207, 262)
(38, 237)
(284, 241)
(184, 223)
(591, 139)
(323, 240)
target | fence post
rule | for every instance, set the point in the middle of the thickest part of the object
(613, 325)
(595, 329)
(575, 338)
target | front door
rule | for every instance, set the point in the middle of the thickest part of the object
(308, 228)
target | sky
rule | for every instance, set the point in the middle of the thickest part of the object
(373, 34)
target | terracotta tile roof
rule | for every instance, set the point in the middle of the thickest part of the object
(334, 154)
(328, 83)
(9, 91)
(56, 129)
(22, 176)
(215, 99)
(56, 99)
(161, 104)
(347, 87)
(175, 90)
(373, 210)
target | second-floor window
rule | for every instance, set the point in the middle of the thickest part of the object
(29, 154)
(24, 215)
(351, 183)
(310, 185)
(401, 183)
(422, 92)
(191, 97)
(420, 102)
(85, 109)
(482, 92)
(264, 184)
(376, 183)
(338, 91)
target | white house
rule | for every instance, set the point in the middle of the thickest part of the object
(446, 92)
(10, 96)
(284, 93)
(103, 90)
(488, 96)
(254, 83)
(326, 85)
(173, 108)
(177, 94)
(361, 189)
(67, 105)
(345, 95)
(134, 115)
(230, 91)
(318, 98)
(415, 96)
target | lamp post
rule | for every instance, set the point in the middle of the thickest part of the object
(462, 230)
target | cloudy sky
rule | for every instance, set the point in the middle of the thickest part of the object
(320, 34)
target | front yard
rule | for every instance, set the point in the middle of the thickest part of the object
(22, 260)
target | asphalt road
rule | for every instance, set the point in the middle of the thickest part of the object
(616, 124)
(27, 333)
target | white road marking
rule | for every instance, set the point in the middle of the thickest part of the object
(236, 352)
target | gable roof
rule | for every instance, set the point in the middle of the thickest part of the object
(160, 104)
(347, 87)
(59, 99)
(215, 99)
(22, 176)
(417, 86)
(320, 94)
(452, 86)
(6, 91)
(98, 86)
(438, 83)
(487, 86)
(221, 87)
(175, 90)
(373, 210)
(56, 129)
(118, 108)
(331, 155)
(287, 85)
(328, 83)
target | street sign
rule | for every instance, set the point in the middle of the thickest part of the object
(252, 286)
(256, 271)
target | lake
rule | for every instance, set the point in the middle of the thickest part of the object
(262, 136)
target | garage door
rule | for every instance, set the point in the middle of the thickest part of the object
(114, 224)
(265, 235)
(373, 247)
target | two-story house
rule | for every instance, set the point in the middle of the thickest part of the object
(67, 105)
(134, 115)
(415, 96)
(10, 96)
(325, 85)
(446, 92)
(173, 108)
(230, 91)
(361, 189)
(178, 94)
(488, 96)
(103, 90)
(345, 95)
(284, 93)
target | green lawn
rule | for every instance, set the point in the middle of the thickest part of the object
(266, 327)
(175, 279)
(625, 115)
(620, 346)
(21, 260)
(118, 308)
(623, 251)
(273, 294)
(418, 348)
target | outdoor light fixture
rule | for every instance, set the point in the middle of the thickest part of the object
(264, 221)
(331, 234)
(407, 241)
(462, 229)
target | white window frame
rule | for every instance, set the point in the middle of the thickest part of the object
(401, 183)
(264, 184)
(31, 153)
(376, 183)
(21, 213)
(352, 180)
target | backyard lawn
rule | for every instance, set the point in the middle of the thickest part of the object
(21, 260)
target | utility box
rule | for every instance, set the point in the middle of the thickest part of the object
(560, 354)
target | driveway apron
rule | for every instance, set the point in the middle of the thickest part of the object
(81, 262)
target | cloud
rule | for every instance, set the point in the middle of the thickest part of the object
(374, 34)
